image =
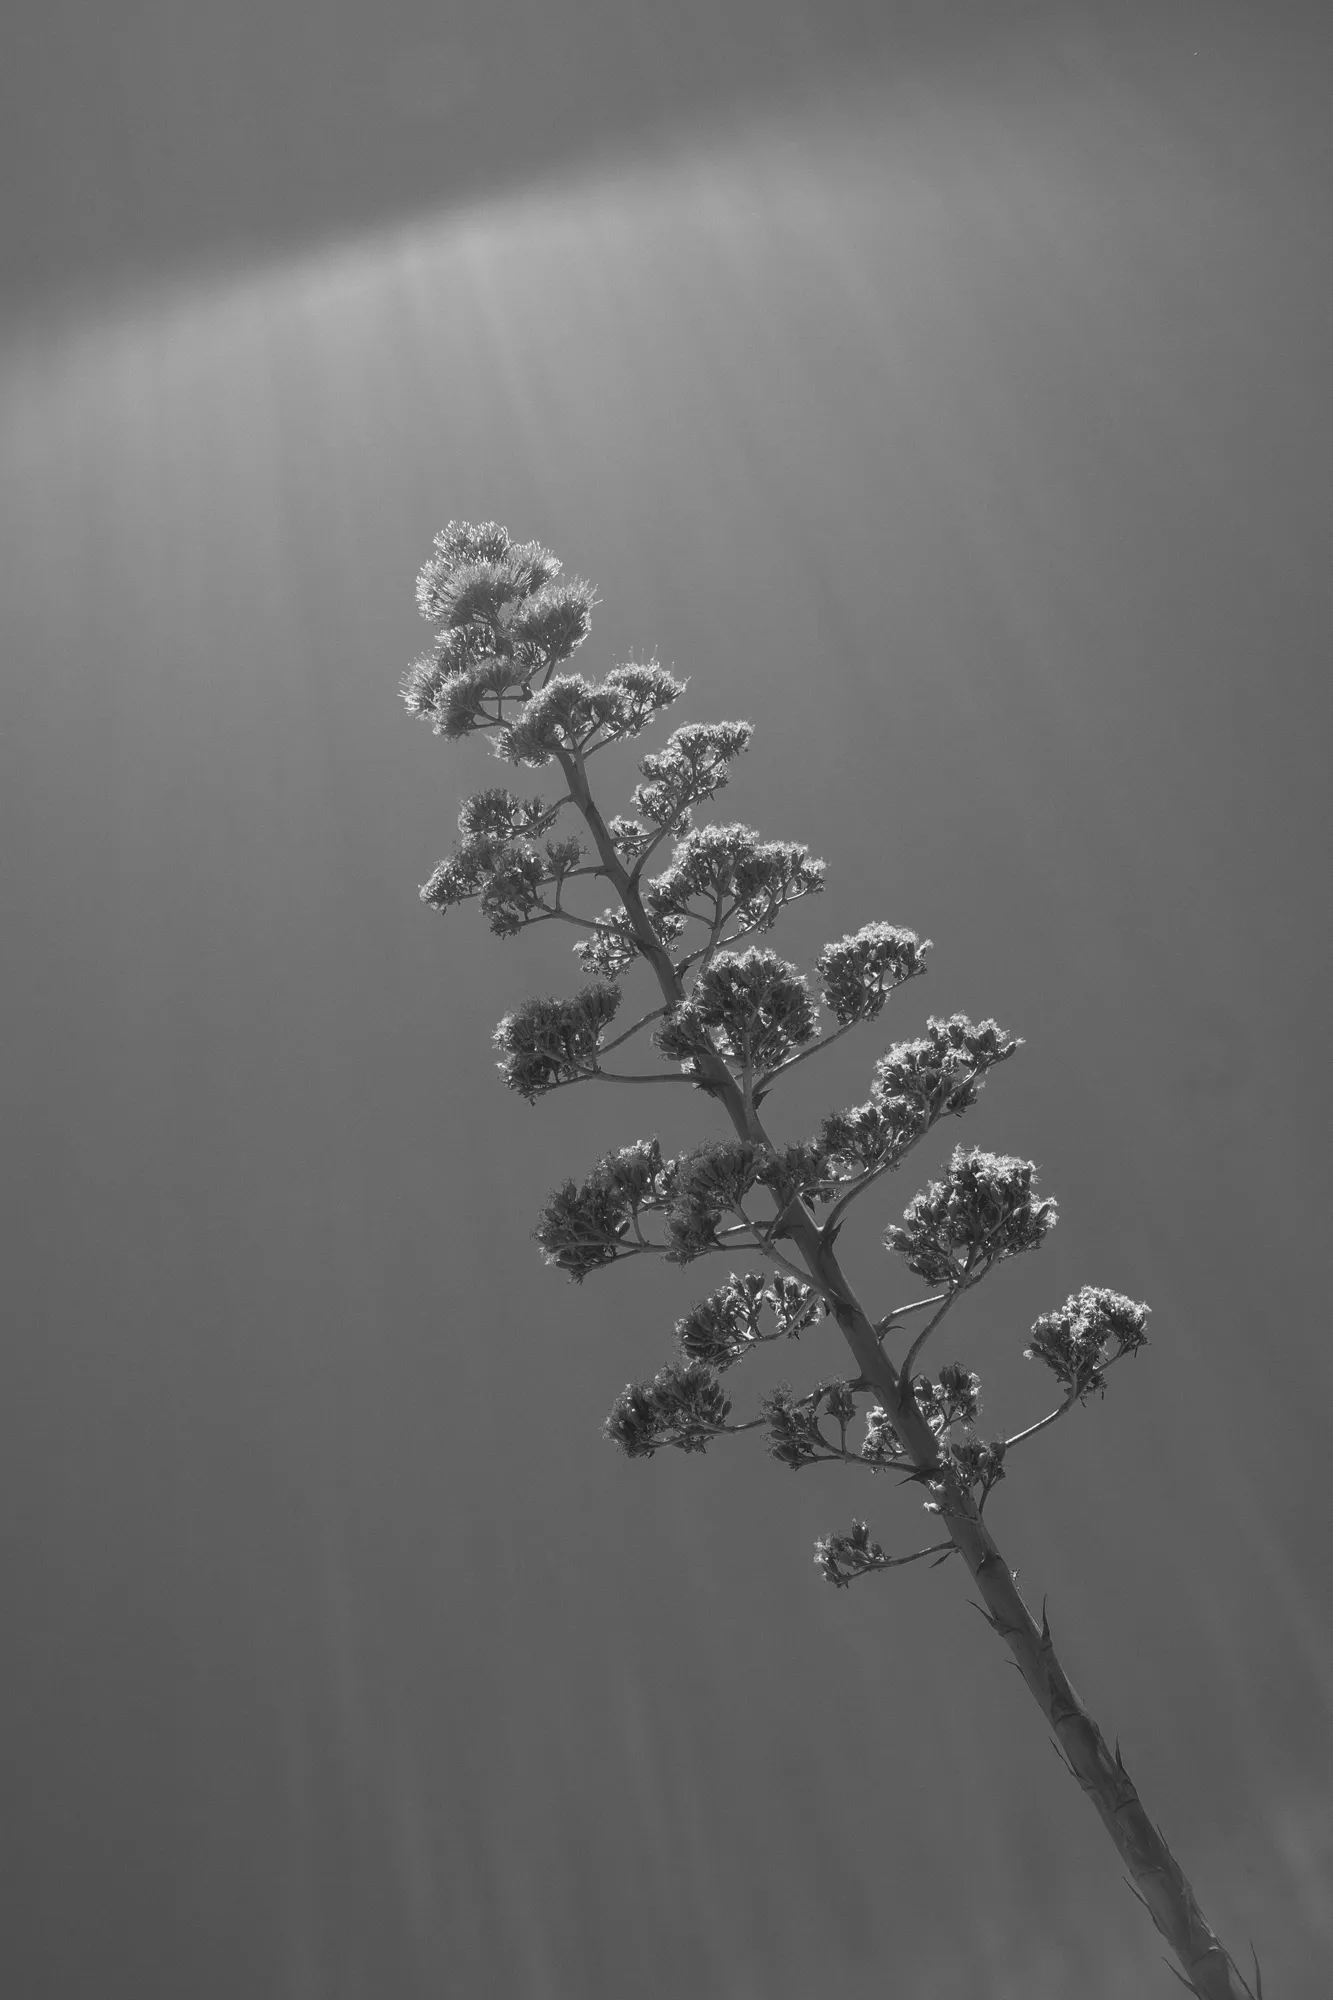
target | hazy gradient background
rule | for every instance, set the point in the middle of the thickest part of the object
(946, 389)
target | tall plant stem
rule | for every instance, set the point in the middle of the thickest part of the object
(1155, 1874)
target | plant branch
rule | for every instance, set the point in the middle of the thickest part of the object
(905, 1372)
(656, 1015)
(1078, 1390)
(652, 1076)
(885, 1325)
(770, 1076)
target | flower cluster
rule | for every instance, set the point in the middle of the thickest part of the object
(505, 620)
(569, 713)
(882, 1445)
(584, 1223)
(502, 816)
(714, 1179)
(1092, 1328)
(868, 1136)
(632, 694)
(840, 1558)
(691, 766)
(684, 1406)
(547, 1042)
(613, 944)
(983, 1211)
(454, 698)
(954, 1399)
(751, 1006)
(739, 875)
(940, 1073)
(794, 1436)
(861, 970)
(507, 876)
(502, 617)
(477, 572)
(628, 836)
(710, 1182)
(796, 1170)
(723, 1327)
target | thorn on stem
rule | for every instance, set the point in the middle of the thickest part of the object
(1134, 1892)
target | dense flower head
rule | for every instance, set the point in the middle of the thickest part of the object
(691, 765)
(711, 1182)
(682, 1037)
(508, 879)
(683, 1405)
(731, 869)
(502, 815)
(614, 944)
(584, 1223)
(508, 876)
(751, 1006)
(983, 1211)
(868, 1135)
(939, 1074)
(503, 617)
(478, 575)
(471, 698)
(559, 716)
(460, 543)
(550, 624)
(632, 694)
(723, 1327)
(861, 970)
(422, 686)
(795, 1170)
(1091, 1329)
(547, 1042)
(571, 713)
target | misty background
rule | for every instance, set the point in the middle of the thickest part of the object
(945, 389)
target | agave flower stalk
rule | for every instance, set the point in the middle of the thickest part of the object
(730, 1023)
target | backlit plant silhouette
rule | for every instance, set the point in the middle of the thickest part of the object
(731, 1020)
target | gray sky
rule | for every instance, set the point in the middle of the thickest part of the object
(954, 407)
